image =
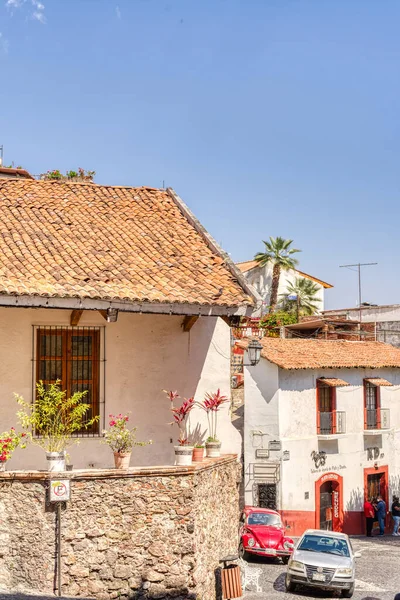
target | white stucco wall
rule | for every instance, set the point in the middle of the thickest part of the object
(144, 355)
(369, 314)
(295, 409)
(261, 279)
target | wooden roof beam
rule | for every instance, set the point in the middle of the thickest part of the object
(188, 322)
(75, 317)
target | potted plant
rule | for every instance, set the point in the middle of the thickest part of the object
(183, 452)
(53, 418)
(211, 405)
(121, 440)
(10, 441)
(198, 453)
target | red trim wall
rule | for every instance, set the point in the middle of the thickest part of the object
(300, 520)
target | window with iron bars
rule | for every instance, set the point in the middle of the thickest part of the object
(75, 356)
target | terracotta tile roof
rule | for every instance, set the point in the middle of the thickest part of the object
(319, 354)
(252, 264)
(332, 381)
(14, 173)
(91, 241)
(379, 381)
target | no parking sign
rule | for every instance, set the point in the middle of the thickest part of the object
(59, 490)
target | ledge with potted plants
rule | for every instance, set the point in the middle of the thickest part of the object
(185, 453)
(121, 440)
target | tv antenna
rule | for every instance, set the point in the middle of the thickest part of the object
(358, 265)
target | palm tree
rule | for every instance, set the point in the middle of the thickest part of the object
(279, 253)
(305, 291)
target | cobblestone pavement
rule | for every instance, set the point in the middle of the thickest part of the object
(377, 573)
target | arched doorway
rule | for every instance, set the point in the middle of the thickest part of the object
(329, 502)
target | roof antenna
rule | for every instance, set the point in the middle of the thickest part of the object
(1, 156)
(358, 265)
(163, 184)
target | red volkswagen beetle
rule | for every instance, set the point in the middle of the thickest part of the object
(262, 532)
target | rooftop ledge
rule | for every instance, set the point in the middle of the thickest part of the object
(158, 471)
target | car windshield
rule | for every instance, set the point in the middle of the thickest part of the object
(324, 543)
(258, 518)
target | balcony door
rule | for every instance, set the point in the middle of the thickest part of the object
(326, 409)
(372, 408)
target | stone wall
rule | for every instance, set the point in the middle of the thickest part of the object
(133, 534)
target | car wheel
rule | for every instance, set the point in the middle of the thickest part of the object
(285, 559)
(348, 593)
(242, 552)
(290, 587)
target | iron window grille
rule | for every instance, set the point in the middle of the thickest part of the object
(75, 356)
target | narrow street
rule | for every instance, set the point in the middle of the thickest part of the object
(377, 573)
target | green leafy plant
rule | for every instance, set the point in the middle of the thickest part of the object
(71, 174)
(180, 415)
(306, 302)
(199, 445)
(279, 253)
(10, 441)
(55, 174)
(53, 418)
(272, 321)
(119, 437)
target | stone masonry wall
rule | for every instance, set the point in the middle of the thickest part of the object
(138, 534)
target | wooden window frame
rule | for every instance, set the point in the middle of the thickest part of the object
(332, 391)
(377, 404)
(67, 360)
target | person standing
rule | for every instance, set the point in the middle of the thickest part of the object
(396, 515)
(369, 513)
(381, 514)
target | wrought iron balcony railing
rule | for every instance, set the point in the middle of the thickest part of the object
(331, 423)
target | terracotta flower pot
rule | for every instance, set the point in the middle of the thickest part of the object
(122, 460)
(198, 454)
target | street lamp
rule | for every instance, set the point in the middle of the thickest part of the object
(254, 351)
(112, 315)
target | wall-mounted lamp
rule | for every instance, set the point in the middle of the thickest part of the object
(254, 351)
(112, 315)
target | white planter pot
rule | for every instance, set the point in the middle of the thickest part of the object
(55, 461)
(213, 449)
(183, 455)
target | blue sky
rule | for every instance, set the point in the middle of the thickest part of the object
(268, 117)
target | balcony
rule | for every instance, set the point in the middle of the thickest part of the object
(331, 424)
(376, 421)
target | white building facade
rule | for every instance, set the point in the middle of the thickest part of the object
(318, 439)
(260, 278)
(118, 292)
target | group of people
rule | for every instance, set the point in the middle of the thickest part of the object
(375, 510)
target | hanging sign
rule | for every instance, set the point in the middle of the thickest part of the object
(59, 490)
(262, 453)
(274, 445)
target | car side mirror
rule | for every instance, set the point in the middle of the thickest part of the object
(357, 554)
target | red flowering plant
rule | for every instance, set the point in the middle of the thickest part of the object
(10, 441)
(120, 438)
(180, 415)
(211, 405)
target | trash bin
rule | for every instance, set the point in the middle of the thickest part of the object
(231, 579)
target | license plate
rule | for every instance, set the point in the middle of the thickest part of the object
(318, 577)
(270, 551)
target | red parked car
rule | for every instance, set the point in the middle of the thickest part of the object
(263, 533)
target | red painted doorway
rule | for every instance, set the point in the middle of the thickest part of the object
(329, 502)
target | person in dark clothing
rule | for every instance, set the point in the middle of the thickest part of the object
(396, 515)
(381, 514)
(369, 513)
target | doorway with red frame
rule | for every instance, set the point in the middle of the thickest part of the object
(329, 502)
(376, 484)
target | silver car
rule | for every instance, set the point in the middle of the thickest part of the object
(323, 559)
